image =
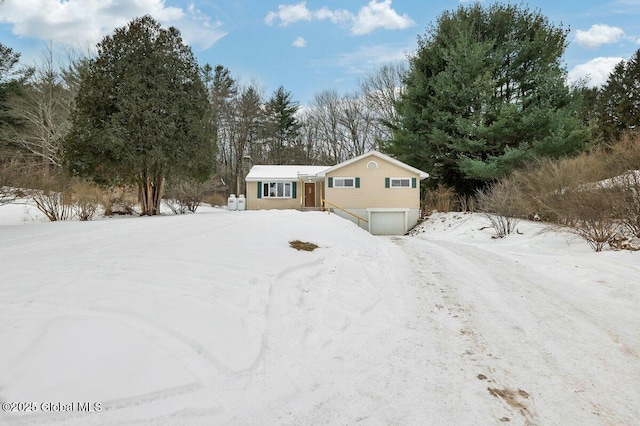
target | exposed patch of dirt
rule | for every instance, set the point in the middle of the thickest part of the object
(482, 377)
(511, 397)
(302, 245)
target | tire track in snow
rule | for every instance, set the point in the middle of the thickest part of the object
(521, 331)
(191, 355)
(456, 348)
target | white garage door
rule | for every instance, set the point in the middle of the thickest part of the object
(388, 223)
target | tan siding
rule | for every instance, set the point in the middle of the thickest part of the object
(255, 203)
(372, 192)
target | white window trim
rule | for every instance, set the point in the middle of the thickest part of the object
(284, 190)
(336, 179)
(408, 179)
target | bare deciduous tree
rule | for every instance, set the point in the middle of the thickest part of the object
(381, 91)
(45, 109)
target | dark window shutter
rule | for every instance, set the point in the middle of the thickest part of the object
(387, 182)
(357, 182)
(330, 182)
(259, 189)
(294, 187)
(414, 182)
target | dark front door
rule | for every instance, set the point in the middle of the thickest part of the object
(309, 194)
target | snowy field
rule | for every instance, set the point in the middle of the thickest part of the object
(212, 319)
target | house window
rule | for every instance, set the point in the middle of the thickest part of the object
(400, 182)
(276, 190)
(372, 165)
(346, 182)
(343, 182)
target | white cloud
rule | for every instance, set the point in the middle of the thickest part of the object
(369, 18)
(338, 16)
(299, 42)
(598, 35)
(595, 72)
(289, 14)
(82, 22)
(365, 59)
(379, 15)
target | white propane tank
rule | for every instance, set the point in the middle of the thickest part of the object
(232, 203)
(242, 202)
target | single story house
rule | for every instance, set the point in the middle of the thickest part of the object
(379, 193)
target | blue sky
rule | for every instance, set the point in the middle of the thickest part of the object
(311, 46)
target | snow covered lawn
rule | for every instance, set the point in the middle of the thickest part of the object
(213, 319)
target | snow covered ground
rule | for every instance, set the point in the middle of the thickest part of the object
(212, 318)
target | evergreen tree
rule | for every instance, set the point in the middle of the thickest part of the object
(281, 127)
(223, 89)
(11, 85)
(486, 92)
(618, 103)
(142, 113)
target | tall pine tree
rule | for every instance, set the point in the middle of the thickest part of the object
(486, 92)
(618, 103)
(281, 127)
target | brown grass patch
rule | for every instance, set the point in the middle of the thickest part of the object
(302, 245)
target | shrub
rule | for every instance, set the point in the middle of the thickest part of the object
(541, 184)
(500, 205)
(184, 195)
(52, 197)
(87, 197)
(467, 203)
(120, 200)
(595, 195)
(216, 199)
(8, 187)
(589, 213)
(440, 198)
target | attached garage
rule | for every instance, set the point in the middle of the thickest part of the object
(388, 221)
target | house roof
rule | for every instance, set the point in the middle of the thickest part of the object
(423, 175)
(289, 173)
(260, 172)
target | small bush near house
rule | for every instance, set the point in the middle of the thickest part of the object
(441, 198)
(500, 205)
(467, 203)
(301, 245)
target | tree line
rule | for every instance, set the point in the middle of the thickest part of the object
(484, 94)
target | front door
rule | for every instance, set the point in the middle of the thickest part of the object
(309, 194)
